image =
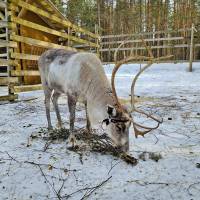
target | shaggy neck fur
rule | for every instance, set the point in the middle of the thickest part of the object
(97, 91)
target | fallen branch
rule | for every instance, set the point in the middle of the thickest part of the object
(191, 186)
(93, 142)
(47, 181)
(87, 194)
(91, 190)
(51, 166)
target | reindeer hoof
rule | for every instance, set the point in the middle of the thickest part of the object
(59, 125)
(72, 140)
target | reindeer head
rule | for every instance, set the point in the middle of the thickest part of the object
(119, 120)
(117, 127)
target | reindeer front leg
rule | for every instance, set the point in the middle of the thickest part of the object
(47, 93)
(72, 100)
(55, 97)
(88, 124)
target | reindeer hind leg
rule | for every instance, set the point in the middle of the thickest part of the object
(55, 97)
(88, 124)
(72, 100)
(47, 93)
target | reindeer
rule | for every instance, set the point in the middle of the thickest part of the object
(80, 75)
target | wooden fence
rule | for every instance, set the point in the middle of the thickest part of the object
(27, 30)
(183, 44)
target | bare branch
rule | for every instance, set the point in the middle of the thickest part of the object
(54, 190)
(95, 188)
(91, 190)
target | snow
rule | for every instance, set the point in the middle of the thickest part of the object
(168, 89)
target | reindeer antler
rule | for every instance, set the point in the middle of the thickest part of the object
(151, 60)
(139, 73)
(116, 68)
(135, 125)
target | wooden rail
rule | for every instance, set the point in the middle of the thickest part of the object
(3, 4)
(8, 80)
(51, 31)
(144, 33)
(23, 56)
(25, 88)
(181, 43)
(25, 73)
(4, 43)
(2, 16)
(8, 97)
(15, 43)
(146, 40)
(2, 55)
(143, 48)
(53, 17)
(3, 24)
(6, 62)
(2, 35)
(38, 43)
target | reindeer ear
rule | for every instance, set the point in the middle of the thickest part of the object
(111, 111)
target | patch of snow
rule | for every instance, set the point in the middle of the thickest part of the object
(175, 95)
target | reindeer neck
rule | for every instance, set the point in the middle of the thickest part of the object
(98, 102)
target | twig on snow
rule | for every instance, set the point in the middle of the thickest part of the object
(47, 181)
(47, 165)
(112, 166)
(190, 186)
(88, 193)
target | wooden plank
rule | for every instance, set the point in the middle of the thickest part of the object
(25, 73)
(3, 74)
(4, 43)
(3, 24)
(23, 56)
(162, 61)
(3, 4)
(8, 97)
(9, 13)
(3, 55)
(2, 16)
(43, 13)
(5, 62)
(81, 46)
(191, 48)
(142, 48)
(39, 43)
(26, 88)
(2, 35)
(147, 40)
(145, 33)
(50, 31)
(7, 80)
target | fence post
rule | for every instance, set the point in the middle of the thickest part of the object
(97, 40)
(10, 88)
(191, 48)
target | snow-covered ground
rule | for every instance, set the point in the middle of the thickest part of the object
(168, 89)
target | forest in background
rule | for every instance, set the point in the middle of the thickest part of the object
(131, 16)
(115, 17)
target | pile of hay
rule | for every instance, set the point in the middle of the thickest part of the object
(95, 143)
